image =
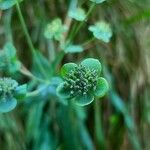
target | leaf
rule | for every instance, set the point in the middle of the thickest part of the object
(73, 49)
(9, 60)
(14, 66)
(7, 104)
(77, 14)
(40, 60)
(83, 100)
(21, 91)
(102, 87)
(62, 92)
(6, 4)
(10, 50)
(67, 68)
(86, 139)
(98, 1)
(49, 90)
(92, 64)
(55, 30)
(118, 102)
(101, 31)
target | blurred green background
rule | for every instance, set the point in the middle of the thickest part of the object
(121, 120)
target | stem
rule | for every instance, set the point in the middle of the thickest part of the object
(82, 3)
(27, 73)
(36, 92)
(25, 28)
(98, 125)
(72, 32)
(82, 23)
(88, 41)
(67, 22)
(29, 41)
(0, 14)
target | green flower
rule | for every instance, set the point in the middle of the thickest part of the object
(9, 93)
(82, 82)
(55, 30)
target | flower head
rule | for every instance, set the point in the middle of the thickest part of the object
(7, 87)
(82, 82)
(10, 91)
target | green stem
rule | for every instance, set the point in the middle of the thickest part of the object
(88, 41)
(36, 92)
(25, 28)
(29, 41)
(72, 32)
(82, 23)
(98, 125)
(76, 28)
(30, 75)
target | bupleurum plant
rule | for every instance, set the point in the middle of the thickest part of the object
(82, 83)
(10, 91)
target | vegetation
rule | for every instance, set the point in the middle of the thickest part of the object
(74, 74)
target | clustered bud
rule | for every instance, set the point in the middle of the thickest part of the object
(7, 87)
(81, 80)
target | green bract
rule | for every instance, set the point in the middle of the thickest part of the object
(9, 93)
(101, 31)
(77, 14)
(9, 60)
(73, 48)
(55, 30)
(6, 4)
(98, 1)
(82, 82)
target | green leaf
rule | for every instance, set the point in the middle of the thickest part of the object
(101, 31)
(66, 68)
(40, 59)
(3, 60)
(73, 49)
(10, 50)
(77, 14)
(21, 91)
(9, 60)
(98, 1)
(83, 100)
(92, 63)
(6, 4)
(62, 92)
(102, 87)
(55, 30)
(14, 66)
(7, 104)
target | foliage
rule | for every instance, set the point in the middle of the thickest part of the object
(55, 30)
(86, 66)
(101, 31)
(9, 60)
(98, 1)
(73, 49)
(78, 14)
(6, 4)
